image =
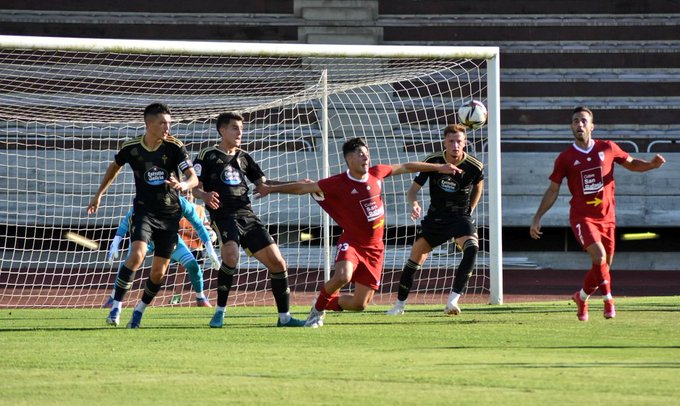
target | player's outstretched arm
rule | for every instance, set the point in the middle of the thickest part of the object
(549, 198)
(295, 188)
(410, 167)
(111, 172)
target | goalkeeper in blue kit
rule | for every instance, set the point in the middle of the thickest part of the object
(181, 255)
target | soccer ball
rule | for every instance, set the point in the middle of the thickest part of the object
(473, 114)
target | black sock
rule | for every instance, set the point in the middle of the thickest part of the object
(464, 271)
(281, 291)
(225, 278)
(123, 282)
(406, 279)
(150, 291)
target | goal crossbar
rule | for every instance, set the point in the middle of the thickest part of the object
(246, 48)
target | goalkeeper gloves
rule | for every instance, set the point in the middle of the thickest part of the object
(214, 258)
(113, 250)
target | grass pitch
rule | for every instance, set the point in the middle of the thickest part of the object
(533, 353)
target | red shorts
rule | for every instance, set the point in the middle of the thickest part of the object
(368, 263)
(589, 232)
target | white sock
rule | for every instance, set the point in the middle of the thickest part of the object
(607, 298)
(220, 309)
(584, 296)
(117, 305)
(200, 295)
(453, 298)
(284, 317)
(400, 303)
(141, 306)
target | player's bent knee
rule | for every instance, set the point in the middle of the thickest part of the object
(471, 246)
(342, 278)
(278, 267)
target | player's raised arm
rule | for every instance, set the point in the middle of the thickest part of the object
(640, 165)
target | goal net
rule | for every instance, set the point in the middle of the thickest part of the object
(67, 105)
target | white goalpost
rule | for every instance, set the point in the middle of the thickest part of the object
(68, 104)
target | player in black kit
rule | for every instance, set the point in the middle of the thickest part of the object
(222, 171)
(452, 200)
(155, 159)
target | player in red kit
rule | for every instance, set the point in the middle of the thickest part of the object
(588, 166)
(354, 200)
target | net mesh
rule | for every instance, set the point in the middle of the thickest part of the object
(64, 114)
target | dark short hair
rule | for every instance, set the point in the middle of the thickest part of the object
(584, 109)
(352, 145)
(455, 128)
(225, 118)
(156, 108)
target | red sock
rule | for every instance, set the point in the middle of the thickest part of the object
(334, 304)
(606, 283)
(593, 279)
(324, 299)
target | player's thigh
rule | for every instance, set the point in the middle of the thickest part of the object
(270, 256)
(164, 234)
(159, 267)
(587, 232)
(363, 295)
(359, 300)
(369, 266)
(597, 253)
(343, 271)
(254, 235)
(230, 253)
(141, 228)
(137, 254)
(437, 230)
(227, 233)
(420, 250)
(608, 235)
(165, 242)
(226, 229)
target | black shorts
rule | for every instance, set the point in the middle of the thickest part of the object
(161, 230)
(245, 229)
(439, 229)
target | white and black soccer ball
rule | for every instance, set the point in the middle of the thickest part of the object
(473, 114)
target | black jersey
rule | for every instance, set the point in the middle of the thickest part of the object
(451, 193)
(151, 169)
(226, 174)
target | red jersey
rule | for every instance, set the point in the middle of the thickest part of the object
(590, 177)
(356, 205)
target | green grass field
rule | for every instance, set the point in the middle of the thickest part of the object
(532, 353)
